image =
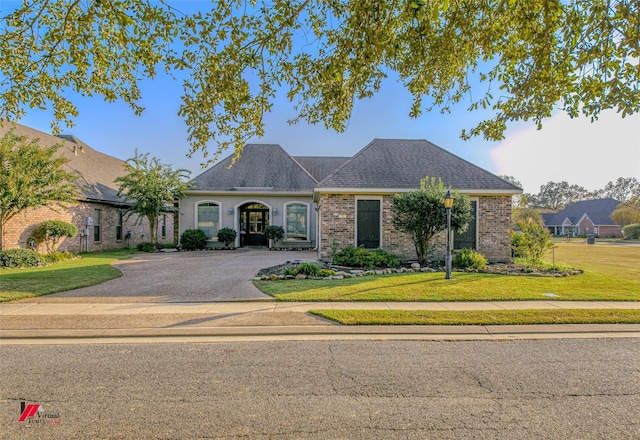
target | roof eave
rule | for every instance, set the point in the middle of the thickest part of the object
(247, 193)
(384, 191)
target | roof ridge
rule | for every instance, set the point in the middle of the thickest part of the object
(303, 168)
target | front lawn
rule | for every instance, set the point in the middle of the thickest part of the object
(88, 270)
(481, 317)
(611, 273)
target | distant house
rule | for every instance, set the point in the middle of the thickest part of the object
(97, 212)
(327, 203)
(585, 217)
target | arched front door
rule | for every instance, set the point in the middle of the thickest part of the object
(254, 217)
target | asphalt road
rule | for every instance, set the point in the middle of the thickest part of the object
(545, 389)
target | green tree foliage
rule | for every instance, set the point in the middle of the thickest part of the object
(628, 212)
(622, 189)
(558, 195)
(50, 233)
(531, 242)
(526, 214)
(528, 57)
(31, 177)
(151, 188)
(421, 213)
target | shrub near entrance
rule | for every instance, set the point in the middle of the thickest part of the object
(470, 259)
(366, 258)
(193, 239)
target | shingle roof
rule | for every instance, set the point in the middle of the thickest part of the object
(402, 163)
(598, 210)
(261, 168)
(96, 171)
(320, 167)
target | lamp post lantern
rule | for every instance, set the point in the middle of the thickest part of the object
(448, 204)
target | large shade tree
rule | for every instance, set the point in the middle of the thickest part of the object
(152, 188)
(31, 176)
(524, 58)
(622, 189)
(422, 214)
(558, 195)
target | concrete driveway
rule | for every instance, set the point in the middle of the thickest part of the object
(183, 277)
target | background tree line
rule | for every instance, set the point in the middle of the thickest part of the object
(554, 196)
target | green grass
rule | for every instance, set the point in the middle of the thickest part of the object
(611, 273)
(89, 270)
(481, 317)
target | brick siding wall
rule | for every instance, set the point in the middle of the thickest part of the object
(494, 228)
(338, 217)
(19, 229)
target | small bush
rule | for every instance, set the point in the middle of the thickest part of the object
(193, 239)
(309, 269)
(365, 258)
(531, 243)
(326, 273)
(56, 257)
(632, 231)
(146, 246)
(291, 271)
(227, 236)
(470, 259)
(274, 233)
(20, 258)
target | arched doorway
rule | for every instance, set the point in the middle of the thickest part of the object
(254, 217)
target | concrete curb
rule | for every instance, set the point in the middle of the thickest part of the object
(329, 332)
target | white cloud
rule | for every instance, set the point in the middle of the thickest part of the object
(573, 150)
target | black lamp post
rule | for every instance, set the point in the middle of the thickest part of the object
(448, 204)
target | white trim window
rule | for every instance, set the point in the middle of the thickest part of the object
(296, 221)
(208, 218)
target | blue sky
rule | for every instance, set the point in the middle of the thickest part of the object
(577, 151)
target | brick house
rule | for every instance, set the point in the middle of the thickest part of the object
(97, 211)
(585, 217)
(327, 203)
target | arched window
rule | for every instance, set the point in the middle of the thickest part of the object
(208, 218)
(297, 221)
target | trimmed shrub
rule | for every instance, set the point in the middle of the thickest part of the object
(51, 232)
(470, 259)
(20, 258)
(193, 239)
(365, 258)
(632, 231)
(227, 236)
(274, 233)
